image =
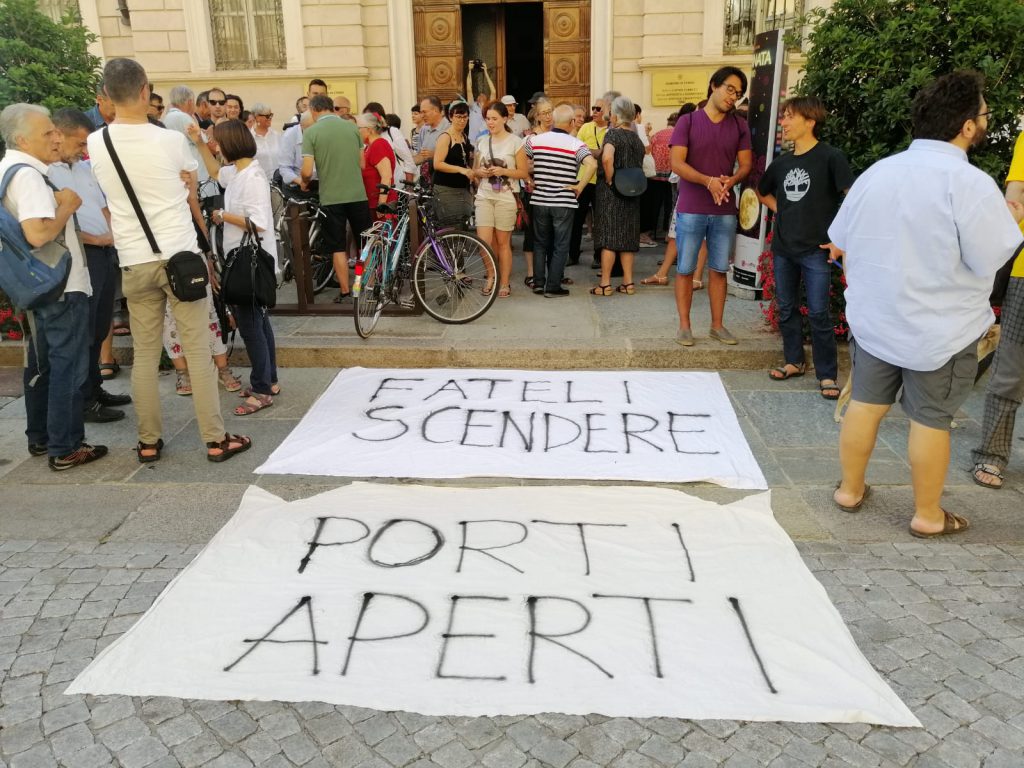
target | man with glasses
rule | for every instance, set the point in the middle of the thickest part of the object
(591, 134)
(156, 105)
(267, 139)
(342, 106)
(216, 99)
(710, 152)
(434, 124)
(924, 233)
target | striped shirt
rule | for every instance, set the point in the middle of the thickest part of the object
(556, 157)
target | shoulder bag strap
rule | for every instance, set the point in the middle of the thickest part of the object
(131, 192)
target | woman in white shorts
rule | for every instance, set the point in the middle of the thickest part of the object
(500, 164)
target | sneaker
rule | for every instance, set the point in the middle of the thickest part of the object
(84, 455)
(648, 244)
(97, 413)
(109, 398)
(556, 293)
(684, 337)
(723, 335)
(37, 449)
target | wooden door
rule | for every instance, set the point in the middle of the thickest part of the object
(567, 50)
(438, 34)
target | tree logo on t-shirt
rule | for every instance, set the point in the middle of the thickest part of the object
(796, 184)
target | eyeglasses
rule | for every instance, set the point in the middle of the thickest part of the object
(158, 109)
(268, 116)
(597, 109)
(985, 114)
(217, 102)
(463, 115)
(732, 91)
(338, 109)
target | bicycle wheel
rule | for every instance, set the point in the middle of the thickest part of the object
(449, 282)
(321, 264)
(284, 248)
(370, 301)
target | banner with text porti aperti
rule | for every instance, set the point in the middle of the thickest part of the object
(763, 113)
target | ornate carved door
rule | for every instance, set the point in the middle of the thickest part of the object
(567, 50)
(438, 34)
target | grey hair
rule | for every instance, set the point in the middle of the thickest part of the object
(564, 114)
(306, 117)
(623, 110)
(610, 96)
(69, 120)
(14, 121)
(259, 108)
(181, 95)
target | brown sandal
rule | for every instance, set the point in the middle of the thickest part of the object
(157, 447)
(247, 408)
(655, 280)
(952, 524)
(601, 290)
(627, 288)
(226, 451)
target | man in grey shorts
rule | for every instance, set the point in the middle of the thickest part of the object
(922, 234)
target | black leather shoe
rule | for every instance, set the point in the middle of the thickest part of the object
(37, 449)
(100, 414)
(556, 293)
(109, 398)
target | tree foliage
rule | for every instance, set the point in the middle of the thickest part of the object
(868, 58)
(45, 62)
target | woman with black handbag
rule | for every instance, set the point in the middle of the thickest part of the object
(247, 218)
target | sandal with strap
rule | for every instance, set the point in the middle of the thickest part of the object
(242, 444)
(655, 280)
(228, 380)
(601, 290)
(109, 370)
(157, 447)
(698, 285)
(183, 386)
(275, 390)
(505, 291)
(529, 282)
(247, 408)
(627, 288)
(784, 372)
(987, 469)
(832, 389)
(950, 525)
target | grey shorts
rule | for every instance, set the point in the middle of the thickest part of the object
(930, 398)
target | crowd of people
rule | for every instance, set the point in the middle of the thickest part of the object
(921, 236)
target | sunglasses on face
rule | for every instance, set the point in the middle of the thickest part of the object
(338, 109)
(268, 116)
(158, 109)
(217, 102)
(597, 109)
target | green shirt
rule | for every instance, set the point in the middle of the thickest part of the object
(335, 144)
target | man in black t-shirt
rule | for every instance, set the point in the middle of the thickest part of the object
(805, 188)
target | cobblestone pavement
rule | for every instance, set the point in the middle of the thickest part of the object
(943, 623)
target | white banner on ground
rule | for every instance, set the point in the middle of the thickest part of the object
(633, 602)
(622, 425)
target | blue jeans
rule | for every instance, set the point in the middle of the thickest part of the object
(254, 325)
(692, 229)
(553, 230)
(817, 275)
(58, 359)
(103, 276)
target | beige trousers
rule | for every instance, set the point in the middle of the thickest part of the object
(145, 286)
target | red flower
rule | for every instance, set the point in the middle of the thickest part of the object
(14, 335)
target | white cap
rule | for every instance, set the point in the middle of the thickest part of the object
(508, 100)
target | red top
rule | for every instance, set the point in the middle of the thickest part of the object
(377, 149)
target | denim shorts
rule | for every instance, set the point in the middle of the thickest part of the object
(692, 229)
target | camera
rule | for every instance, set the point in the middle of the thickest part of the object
(477, 63)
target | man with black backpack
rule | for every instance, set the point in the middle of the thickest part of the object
(59, 348)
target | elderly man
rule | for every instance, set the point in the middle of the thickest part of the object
(289, 159)
(334, 147)
(179, 118)
(102, 112)
(58, 357)
(202, 110)
(342, 106)
(557, 157)
(71, 172)
(924, 233)
(434, 124)
(154, 161)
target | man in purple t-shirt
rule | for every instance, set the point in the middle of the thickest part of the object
(710, 151)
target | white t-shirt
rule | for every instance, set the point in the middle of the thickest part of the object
(505, 149)
(519, 123)
(247, 193)
(153, 159)
(28, 197)
(266, 150)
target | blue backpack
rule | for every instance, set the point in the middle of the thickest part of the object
(30, 278)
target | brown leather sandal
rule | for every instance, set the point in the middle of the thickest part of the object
(226, 451)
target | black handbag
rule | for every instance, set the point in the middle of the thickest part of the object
(630, 182)
(248, 276)
(187, 272)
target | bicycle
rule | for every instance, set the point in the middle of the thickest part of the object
(321, 262)
(453, 274)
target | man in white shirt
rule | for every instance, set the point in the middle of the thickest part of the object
(59, 351)
(517, 122)
(289, 158)
(154, 160)
(924, 233)
(71, 172)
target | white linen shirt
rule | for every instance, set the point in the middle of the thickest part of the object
(289, 156)
(153, 159)
(924, 233)
(28, 197)
(267, 150)
(78, 176)
(247, 193)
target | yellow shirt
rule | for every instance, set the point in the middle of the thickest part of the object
(592, 136)
(1017, 174)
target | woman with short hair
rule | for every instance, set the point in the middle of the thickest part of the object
(379, 166)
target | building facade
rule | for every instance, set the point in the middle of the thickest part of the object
(659, 52)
